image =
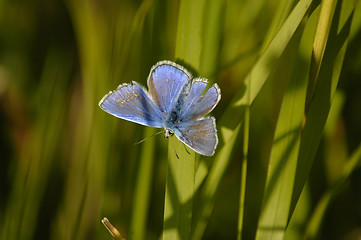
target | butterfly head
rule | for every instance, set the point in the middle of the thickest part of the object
(168, 133)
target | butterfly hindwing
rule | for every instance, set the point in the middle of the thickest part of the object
(199, 135)
(130, 102)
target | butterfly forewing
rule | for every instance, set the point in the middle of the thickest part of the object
(130, 102)
(166, 82)
(200, 135)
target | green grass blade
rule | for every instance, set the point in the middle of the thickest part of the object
(190, 27)
(179, 192)
(300, 216)
(181, 171)
(283, 161)
(211, 39)
(282, 12)
(268, 60)
(319, 44)
(244, 170)
(324, 92)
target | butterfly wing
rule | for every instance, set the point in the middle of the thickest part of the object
(130, 102)
(197, 105)
(166, 83)
(200, 135)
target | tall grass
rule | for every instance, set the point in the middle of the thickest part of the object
(288, 162)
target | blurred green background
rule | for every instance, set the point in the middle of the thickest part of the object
(65, 164)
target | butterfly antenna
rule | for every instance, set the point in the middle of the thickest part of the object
(147, 138)
(174, 149)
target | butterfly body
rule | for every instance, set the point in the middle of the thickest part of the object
(174, 102)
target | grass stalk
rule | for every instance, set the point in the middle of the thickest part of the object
(244, 169)
(180, 175)
(323, 94)
(283, 161)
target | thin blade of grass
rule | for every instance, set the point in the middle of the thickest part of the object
(300, 216)
(180, 175)
(324, 92)
(319, 44)
(179, 192)
(285, 6)
(283, 161)
(244, 170)
(211, 39)
(189, 41)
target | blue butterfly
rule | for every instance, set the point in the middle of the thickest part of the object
(174, 102)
